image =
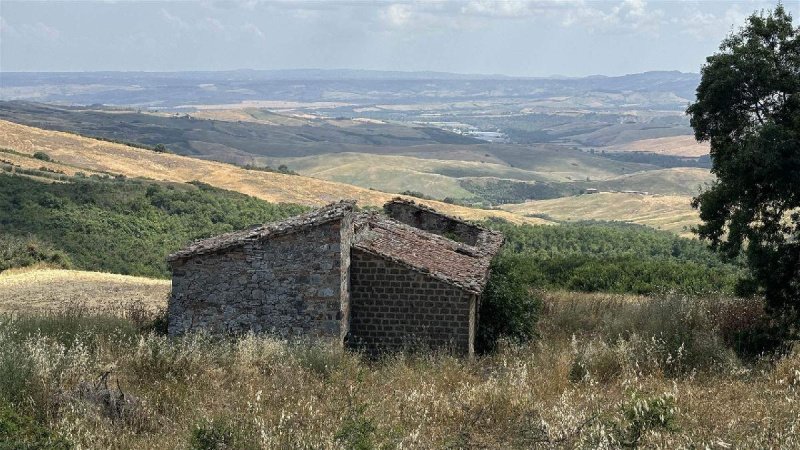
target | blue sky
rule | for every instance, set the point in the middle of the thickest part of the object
(513, 37)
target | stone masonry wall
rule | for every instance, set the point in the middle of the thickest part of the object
(392, 307)
(432, 222)
(288, 285)
(346, 242)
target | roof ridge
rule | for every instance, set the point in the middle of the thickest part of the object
(324, 214)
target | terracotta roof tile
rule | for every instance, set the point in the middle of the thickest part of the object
(459, 264)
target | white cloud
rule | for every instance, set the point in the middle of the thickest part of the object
(211, 24)
(40, 31)
(253, 30)
(173, 20)
(397, 15)
(623, 17)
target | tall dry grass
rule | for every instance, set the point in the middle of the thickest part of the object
(607, 372)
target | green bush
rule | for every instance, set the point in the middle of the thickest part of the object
(19, 432)
(42, 156)
(221, 434)
(620, 258)
(22, 252)
(509, 309)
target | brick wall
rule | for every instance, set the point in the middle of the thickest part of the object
(393, 307)
(289, 285)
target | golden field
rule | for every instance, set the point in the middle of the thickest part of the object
(664, 212)
(675, 146)
(53, 290)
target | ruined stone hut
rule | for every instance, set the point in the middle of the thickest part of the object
(377, 282)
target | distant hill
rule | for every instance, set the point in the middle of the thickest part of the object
(228, 140)
(172, 89)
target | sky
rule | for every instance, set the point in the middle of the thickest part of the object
(510, 37)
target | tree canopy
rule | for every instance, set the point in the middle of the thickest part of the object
(748, 108)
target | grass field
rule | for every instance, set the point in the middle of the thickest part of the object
(685, 181)
(607, 372)
(48, 290)
(674, 145)
(101, 156)
(669, 213)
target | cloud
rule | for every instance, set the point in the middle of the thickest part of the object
(6, 28)
(397, 15)
(704, 25)
(624, 17)
(211, 24)
(173, 20)
(41, 31)
(253, 30)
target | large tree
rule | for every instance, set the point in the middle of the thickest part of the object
(748, 108)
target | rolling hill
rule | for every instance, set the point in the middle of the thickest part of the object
(100, 156)
(669, 213)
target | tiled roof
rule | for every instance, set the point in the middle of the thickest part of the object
(462, 265)
(319, 216)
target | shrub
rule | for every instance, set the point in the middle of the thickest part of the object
(19, 432)
(18, 252)
(221, 434)
(42, 156)
(357, 431)
(643, 414)
(508, 309)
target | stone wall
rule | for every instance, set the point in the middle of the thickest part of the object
(289, 285)
(393, 307)
(426, 219)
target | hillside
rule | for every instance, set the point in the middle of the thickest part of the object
(669, 213)
(50, 290)
(685, 146)
(101, 156)
(685, 181)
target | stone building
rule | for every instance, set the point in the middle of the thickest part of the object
(411, 277)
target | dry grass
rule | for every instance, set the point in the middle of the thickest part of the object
(271, 394)
(675, 146)
(39, 291)
(665, 212)
(95, 155)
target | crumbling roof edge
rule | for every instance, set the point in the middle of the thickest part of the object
(430, 209)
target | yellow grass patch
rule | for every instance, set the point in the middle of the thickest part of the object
(676, 146)
(36, 291)
(665, 212)
(104, 156)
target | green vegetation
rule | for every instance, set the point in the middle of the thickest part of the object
(512, 191)
(748, 108)
(283, 168)
(22, 252)
(42, 156)
(509, 309)
(609, 257)
(129, 226)
(120, 225)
